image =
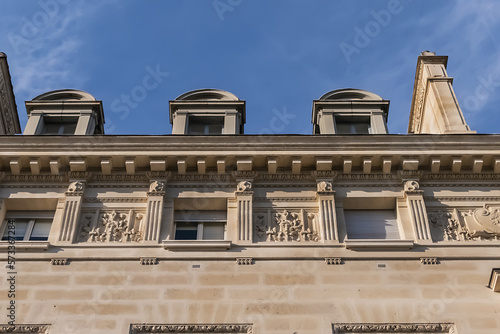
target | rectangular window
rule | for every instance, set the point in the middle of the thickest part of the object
(200, 225)
(352, 124)
(29, 229)
(371, 224)
(205, 125)
(55, 125)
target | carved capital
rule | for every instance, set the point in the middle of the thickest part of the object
(75, 188)
(411, 186)
(324, 187)
(244, 186)
(157, 188)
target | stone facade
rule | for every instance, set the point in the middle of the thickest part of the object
(374, 233)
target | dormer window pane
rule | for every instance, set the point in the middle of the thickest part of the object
(205, 125)
(59, 125)
(352, 125)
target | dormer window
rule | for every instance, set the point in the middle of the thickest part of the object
(207, 112)
(59, 125)
(352, 125)
(350, 111)
(205, 125)
(64, 112)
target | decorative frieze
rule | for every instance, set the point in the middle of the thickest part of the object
(285, 226)
(216, 178)
(30, 178)
(393, 328)
(191, 328)
(23, 329)
(284, 177)
(111, 226)
(119, 178)
(244, 261)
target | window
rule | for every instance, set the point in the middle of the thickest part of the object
(205, 125)
(200, 225)
(53, 125)
(27, 229)
(352, 125)
(371, 224)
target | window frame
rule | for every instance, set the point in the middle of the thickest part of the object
(206, 121)
(31, 217)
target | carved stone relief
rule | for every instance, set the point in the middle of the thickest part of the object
(111, 226)
(444, 226)
(478, 224)
(24, 329)
(285, 225)
(186, 328)
(393, 328)
(483, 223)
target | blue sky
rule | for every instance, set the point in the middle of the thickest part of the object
(277, 55)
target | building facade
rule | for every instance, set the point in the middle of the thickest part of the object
(208, 230)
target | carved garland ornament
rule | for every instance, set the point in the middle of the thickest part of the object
(394, 328)
(181, 329)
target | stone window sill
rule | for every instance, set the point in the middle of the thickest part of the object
(196, 245)
(376, 244)
(25, 246)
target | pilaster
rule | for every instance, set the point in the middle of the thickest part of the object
(244, 199)
(418, 213)
(327, 215)
(71, 211)
(154, 211)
